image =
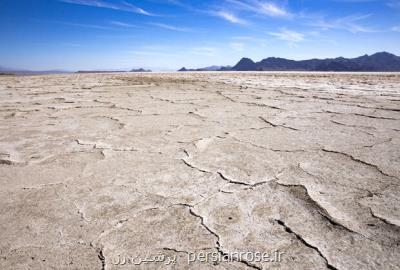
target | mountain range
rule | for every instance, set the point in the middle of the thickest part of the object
(140, 70)
(14, 71)
(210, 68)
(382, 61)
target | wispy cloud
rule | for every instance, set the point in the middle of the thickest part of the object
(268, 8)
(123, 37)
(242, 38)
(178, 3)
(288, 35)
(123, 24)
(68, 44)
(350, 23)
(204, 51)
(148, 53)
(272, 9)
(154, 50)
(396, 28)
(171, 27)
(84, 25)
(122, 5)
(394, 4)
(249, 38)
(356, 1)
(355, 28)
(237, 46)
(230, 17)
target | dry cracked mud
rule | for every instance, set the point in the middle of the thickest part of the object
(121, 171)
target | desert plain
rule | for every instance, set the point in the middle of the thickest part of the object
(141, 171)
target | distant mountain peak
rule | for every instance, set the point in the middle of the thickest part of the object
(245, 64)
(382, 53)
(246, 60)
(210, 68)
(140, 70)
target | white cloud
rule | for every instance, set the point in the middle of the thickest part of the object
(154, 50)
(288, 35)
(249, 39)
(237, 46)
(349, 23)
(396, 28)
(204, 51)
(242, 37)
(357, 1)
(268, 8)
(171, 27)
(93, 26)
(273, 10)
(149, 53)
(230, 17)
(123, 5)
(122, 24)
(355, 28)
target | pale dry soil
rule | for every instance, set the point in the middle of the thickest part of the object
(96, 166)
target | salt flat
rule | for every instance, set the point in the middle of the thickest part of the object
(99, 168)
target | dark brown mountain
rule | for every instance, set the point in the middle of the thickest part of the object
(140, 70)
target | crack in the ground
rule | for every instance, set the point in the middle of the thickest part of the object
(319, 208)
(193, 166)
(384, 220)
(304, 242)
(379, 108)
(119, 122)
(102, 259)
(104, 147)
(198, 116)
(126, 109)
(175, 250)
(261, 105)
(359, 114)
(186, 153)
(217, 242)
(249, 103)
(376, 167)
(240, 182)
(173, 102)
(378, 143)
(273, 149)
(276, 125)
(68, 200)
(221, 174)
(355, 126)
(6, 162)
(44, 185)
(325, 214)
(81, 214)
(226, 97)
(369, 192)
(375, 117)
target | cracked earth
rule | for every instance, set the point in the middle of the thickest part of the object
(97, 166)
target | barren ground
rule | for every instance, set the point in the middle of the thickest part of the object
(97, 167)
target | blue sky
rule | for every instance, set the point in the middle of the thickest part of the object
(169, 34)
